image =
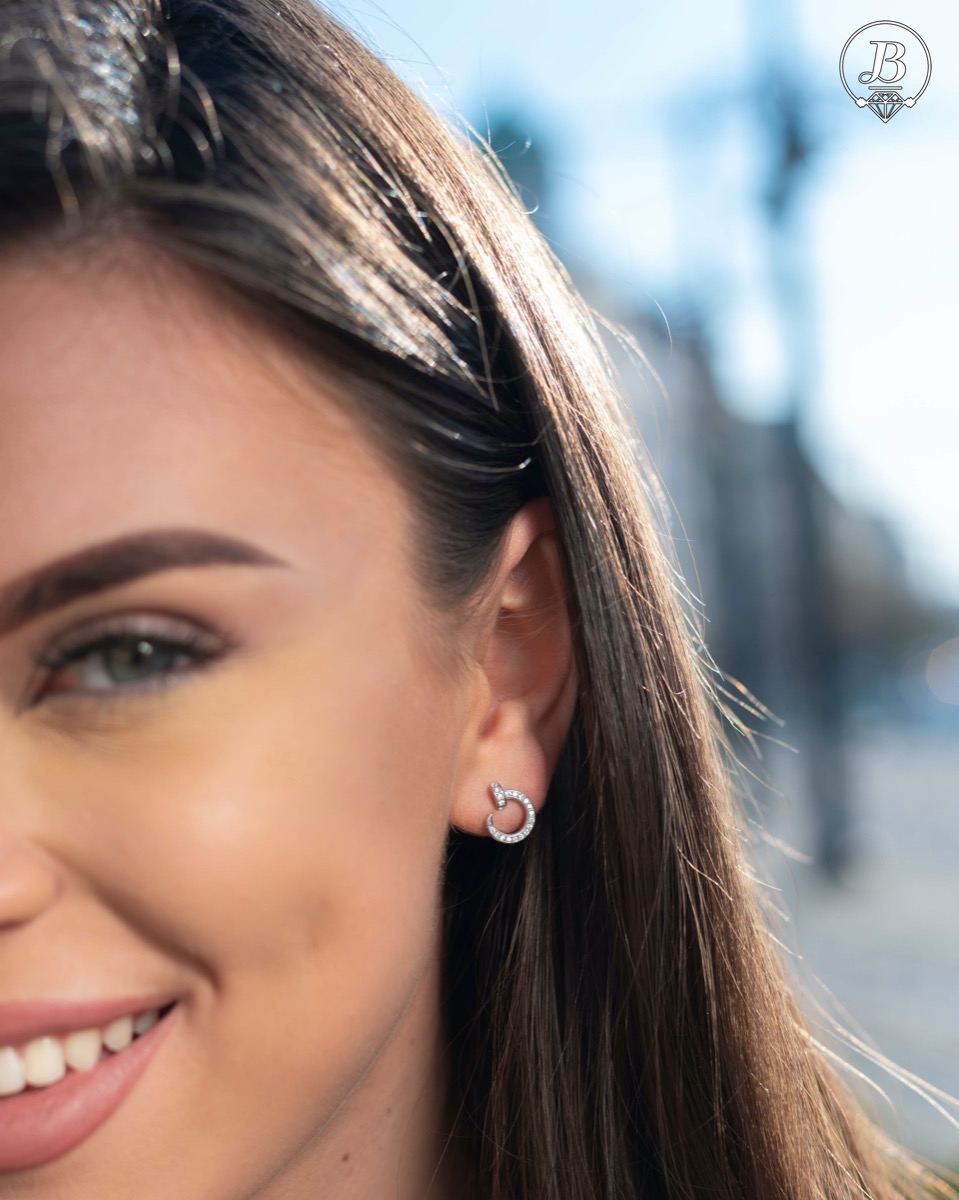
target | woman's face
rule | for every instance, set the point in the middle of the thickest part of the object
(239, 800)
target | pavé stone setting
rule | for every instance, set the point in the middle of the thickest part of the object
(500, 796)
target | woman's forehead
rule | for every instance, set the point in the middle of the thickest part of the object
(143, 343)
(126, 405)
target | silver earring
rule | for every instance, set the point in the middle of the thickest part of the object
(501, 797)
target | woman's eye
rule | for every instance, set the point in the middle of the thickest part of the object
(108, 662)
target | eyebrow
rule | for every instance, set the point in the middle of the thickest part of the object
(120, 560)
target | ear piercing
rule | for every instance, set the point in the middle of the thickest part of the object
(501, 797)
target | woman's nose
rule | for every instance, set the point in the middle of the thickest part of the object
(29, 882)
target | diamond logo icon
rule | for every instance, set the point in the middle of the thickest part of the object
(885, 104)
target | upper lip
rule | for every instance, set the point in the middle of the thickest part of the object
(21, 1020)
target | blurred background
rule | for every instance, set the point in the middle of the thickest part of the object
(788, 263)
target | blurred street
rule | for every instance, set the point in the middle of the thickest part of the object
(885, 939)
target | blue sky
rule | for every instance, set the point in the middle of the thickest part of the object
(601, 80)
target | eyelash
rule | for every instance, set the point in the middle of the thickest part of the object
(202, 646)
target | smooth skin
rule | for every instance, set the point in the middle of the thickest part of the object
(262, 837)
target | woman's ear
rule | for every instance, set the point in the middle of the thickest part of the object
(523, 678)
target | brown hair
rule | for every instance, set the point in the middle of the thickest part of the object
(620, 1024)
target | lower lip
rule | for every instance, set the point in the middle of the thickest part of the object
(39, 1125)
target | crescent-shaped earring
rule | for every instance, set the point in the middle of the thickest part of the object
(501, 797)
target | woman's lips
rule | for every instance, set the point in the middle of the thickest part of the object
(40, 1124)
(21, 1020)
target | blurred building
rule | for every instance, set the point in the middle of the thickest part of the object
(734, 526)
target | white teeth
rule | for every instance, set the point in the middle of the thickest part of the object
(118, 1034)
(146, 1020)
(12, 1076)
(82, 1050)
(43, 1061)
